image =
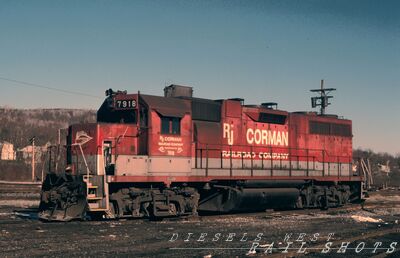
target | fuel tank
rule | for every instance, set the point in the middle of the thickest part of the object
(230, 199)
(272, 183)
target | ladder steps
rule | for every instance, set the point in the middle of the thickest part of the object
(98, 209)
(94, 198)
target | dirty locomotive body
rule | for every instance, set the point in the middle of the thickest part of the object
(151, 156)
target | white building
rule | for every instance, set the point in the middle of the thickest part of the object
(7, 151)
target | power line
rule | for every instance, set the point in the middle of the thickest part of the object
(49, 88)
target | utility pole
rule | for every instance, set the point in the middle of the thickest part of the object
(33, 158)
(323, 99)
(58, 150)
(59, 136)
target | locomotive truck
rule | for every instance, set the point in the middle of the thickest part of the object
(175, 155)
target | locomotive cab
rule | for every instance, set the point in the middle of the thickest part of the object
(95, 147)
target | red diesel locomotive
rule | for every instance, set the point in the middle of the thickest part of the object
(152, 156)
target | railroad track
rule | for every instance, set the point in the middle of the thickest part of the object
(19, 194)
(20, 187)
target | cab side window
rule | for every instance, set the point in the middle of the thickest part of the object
(170, 125)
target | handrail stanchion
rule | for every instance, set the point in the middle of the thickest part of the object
(201, 158)
(251, 155)
(241, 155)
(272, 161)
(206, 160)
(221, 159)
(230, 160)
(262, 161)
(313, 159)
(308, 168)
(290, 161)
(195, 155)
(323, 163)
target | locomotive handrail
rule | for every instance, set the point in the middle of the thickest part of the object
(324, 152)
(294, 155)
(249, 146)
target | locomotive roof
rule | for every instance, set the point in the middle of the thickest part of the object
(178, 106)
(167, 106)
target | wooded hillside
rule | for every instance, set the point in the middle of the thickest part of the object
(17, 126)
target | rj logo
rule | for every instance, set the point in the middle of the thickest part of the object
(228, 133)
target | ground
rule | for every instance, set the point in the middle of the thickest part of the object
(234, 235)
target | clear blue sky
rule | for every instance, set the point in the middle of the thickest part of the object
(259, 50)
